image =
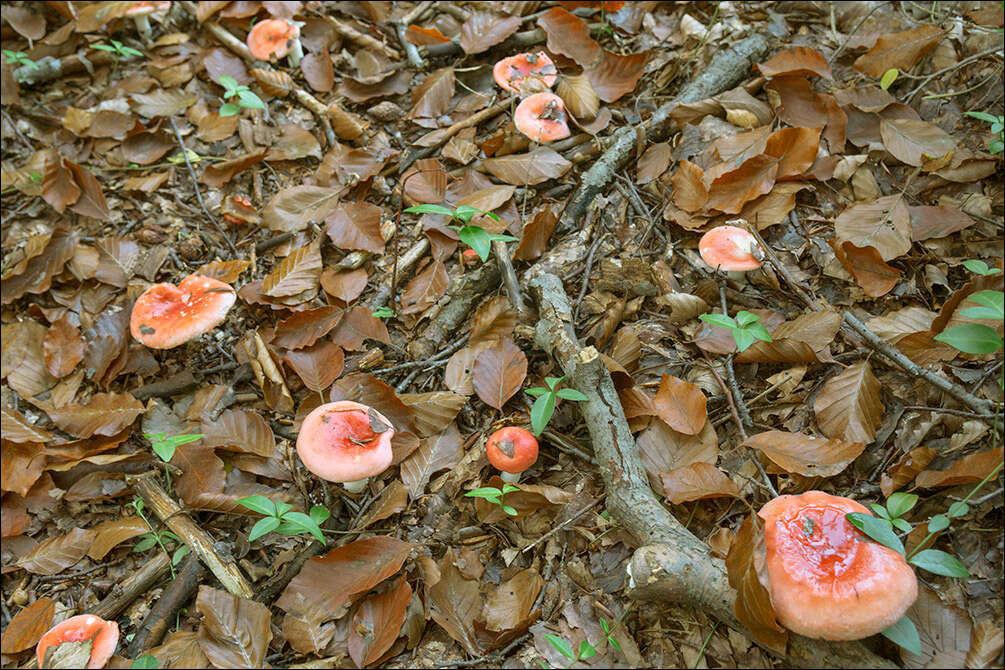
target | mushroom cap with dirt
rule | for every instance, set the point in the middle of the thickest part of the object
(541, 117)
(512, 450)
(104, 637)
(525, 73)
(166, 316)
(272, 39)
(345, 442)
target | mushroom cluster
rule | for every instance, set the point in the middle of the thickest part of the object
(827, 579)
(346, 442)
(541, 114)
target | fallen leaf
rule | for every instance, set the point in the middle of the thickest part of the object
(804, 454)
(499, 372)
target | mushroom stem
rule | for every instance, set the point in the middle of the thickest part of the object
(510, 477)
(296, 53)
(356, 486)
(143, 26)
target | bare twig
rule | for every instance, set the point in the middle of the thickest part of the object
(509, 277)
(562, 525)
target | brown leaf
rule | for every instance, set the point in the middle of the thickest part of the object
(735, 188)
(900, 50)
(110, 534)
(274, 82)
(528, 169)
(105, 414)
(458, 373)
(294, 142)
(30, 624)
(578, 95)
(434, 411)
(697, 481)
(203, 471)
(293, 208)
(242, 431)
(849, 406)
(357, 325)
(22, 465)
(27, 23)
(800, 106)
(535, 235)
(15, 427)
(614, 75)
(420, 36)
(297, 273)
(689, 190)
(906, 469)
(368, 390)
(434, 453)
(487, 199)
(967, 470)
(529, 499)
(569, 35)
(795, 149)
(867, 267)
(219, 174)
(753, 603)
(59, 188)
(455, 603)
(36, 275)
(57, 553)
(147, 148)
(225, 271)
(391, 500)
(163, 102)
(499, 372)
(317, 366)
(346, 285)
(653, 163)
(235, 632)
(883, 223)
(377, 623)
(662, 449)
(484, 30)
(944, 631)
(425, 181)
(64, 348)
(804, 454)
(910, 140)
(326, 583)
(318, 71)
(356, 225)
(307, 327)
(181, 649)
(796, 61)
(431, 99)
(511, 603)
(986, 643)
(929, 222)
(425, 289)
(681, 404)
(494, 320)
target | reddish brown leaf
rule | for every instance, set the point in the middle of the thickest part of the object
(498, 373)
(426, 181)
(801, 106)
(36, 275)
(57, 553)
(294, 142)
(528, 169)
(27, 627)
(804, 454)
(317, 366)
(15, 427)
(484, 30)
(13, 515)
(420, 36)
(569, 35)
(732, 190)
(112, 533)
(849, 406)
(377, 622)
(689, 190)
(274, 82)
(238, 430)
(662, 449)
(867, 267)
(456, 603)
(22, 465)
(578, 95)
(535, 235)
(59, 188)
(105, 414)
(653, 163)
(434, 453)
(883, 223)
(235, 632)
(753, 603)
(147, 148)
(431, 99)
(493, 321)
(796, 149)
(297, 273)
(368, 390)
(318, 71)
(911, 141)
(906, 469)
(615, 75)
(291, 209)
(203, 471)
(898, 50)
(681, 404)
(511, 603)
(219, 175)
(697, 481)
(357, 325)
(346, 285)
(929, 222)
(356, 225)
(307, 327)
(967, 470)
(225, 271)
(796, 61)
(425, 289)
(64, 348)
(434, 411)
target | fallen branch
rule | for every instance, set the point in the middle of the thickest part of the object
(680, 567)
(161, 616)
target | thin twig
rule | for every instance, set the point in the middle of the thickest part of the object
(947, 70)
(853, 31)
(777, 263)
(946, 410)
(562, 525)
(509, 276)
(586, 274)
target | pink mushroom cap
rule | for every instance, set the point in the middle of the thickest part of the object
(541, 117)
(345, 441)
(525, 71)
(104, 636)
(272, 38)
(730, 248)
(166, 316)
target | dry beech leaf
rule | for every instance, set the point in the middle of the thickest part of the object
(368, 390)
(689, 190)
(359, 324)
(181, 649)
(944, 631)
(484, 30)
(297, 273)
(377, 623)
(431, 99)
(274, 82)
(662, 449)
(653, 163)
(391, 500)
(240, 430)
(906, 469)
(225, 271)
(64, 348)
(219, 174)
(681, 404)
(529, 498)
(235, 632)
(967, 470)
(867, 267)
(434, 410)
(356, 225)
(318, 71)
(110, 534)
(929, 222)
(911, 140)
(796, 61)
(579, 97)
(528, 169)
(569, 35)
(57, 553)
(535, 235)
(795, 149)
(307, 327)
(28, 626)
(804, 454)
(499, 372)
(730, 191)
(898, 50)
(494, 320)
(697, 481)
(511, 603)
(318, 365)
(615, 75)
(425, 181)
(456, 603)
(22, 465)
(293, 208)
(425, 289)
(15, 427)
(849, 406)
(753, 603)
(346, 285)
(986, 642)
(457, 375)
(883, 223)
(434, 453)
(105, 414)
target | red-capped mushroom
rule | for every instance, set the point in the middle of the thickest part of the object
(541, 117)
(140, 12)
(274, 38)
(525, 73)
(512, 450)
(346, 442)
(470, 258)
(827, 579)
(731, 249)
(166, 315)
(103, 636)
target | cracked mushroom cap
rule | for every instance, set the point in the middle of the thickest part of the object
(103, 634)
(166, 316)
(730, 248)
(512, 449)
(272, 39)
(345, 441)
(827, 579)
(541, 117)
(525, 73)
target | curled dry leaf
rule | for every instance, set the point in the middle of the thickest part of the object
(110, 534)
(493, 321)
(57, 553)
(377, 623)
(105, 414)
(753, 606)
(64, 348)
(802, 454)
(865, 264)
(239, 430)
(900, 50)
(906, 469)
(298, 273)
(291, 209)
(28, 626)
(681, 404)
(535, 235)
(579, 97)
(796, 61)
(967, 470)
(434, 411)
(849, 406)
(307, 327)
(425, 289)
(235, 632)
(434, 453)
(274, 82)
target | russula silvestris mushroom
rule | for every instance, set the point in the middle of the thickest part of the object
(140, 13)
(346, 442)
(274, 38)
(511, 450)
(525, 73)
(541, 117)
(103, 636)
(827, 579)
(731, 249)
(165, 315)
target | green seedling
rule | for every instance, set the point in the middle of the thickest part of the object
(494, 495)
(159, 538)
(164, 445)
(119, 51)
(880, 528)
(146, 662)
(746, 327)
(19, 58)
(245, 98)
(383, 313)
(997, 145)
(976, 338)
(475, 237)
(586, 650)
(280, 519)
(889, 77)
(544, 406)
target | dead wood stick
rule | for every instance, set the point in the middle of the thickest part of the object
(690, 574)
(405, 263)
(159, 618)
(198, 540)
(49, 68)
(361, 38)
(132, 586)
(509, 280)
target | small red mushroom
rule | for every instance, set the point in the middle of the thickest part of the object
(827, 579)
(512, 450)
(541, 117)
(103, 636)
(165, 315)
(731, 249)
(470, 258)
(525, 73)
(274, 38)
(140, 12)
(346, 442)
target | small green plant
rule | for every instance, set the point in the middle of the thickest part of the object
(586, 650)
(746, 327)
(475, 237)
(494, 495)
(976, 338)
(164, 445)
(245, 97)
(159, 538)
(19, 58)
(544, 406)
(383, 313)
(889, 77)
(997, 145)
(280, 519)
(118, 50)
(881, 529)
(146, 662)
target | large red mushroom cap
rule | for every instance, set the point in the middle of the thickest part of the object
(166, 315)
(730, 248)
(345, 442)
(541, 117)
(104, 636)
(512, 450)
(525, 73)
(827, 579)
(272, 39)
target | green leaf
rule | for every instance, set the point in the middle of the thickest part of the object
(995, 299)
(129, 51)
(900, 503)
(259, 504)
(889, 77)
(880, 511)
(229, 109)
(720, 320)
(484, 492)
(586, 650)
(571, 394)
(937, 523)
(147, 541)
(509, 510)
(264, 526)
(320, 514)
(383, 312)
(939, 562)
(509, 488)
(759, 331)
(877, 529)
(249, 100)
(980, 267)
(496, 237)
(228, 82)
(430, 209)
(540, 413)
(295, 523)
(981, 313)
(745, 318)
(743, 338)
(536, 391)
(103, 47)
(552, 382)
(465, 213)
(145, 662)
(611, 640)
(561, 646)
(180, 553)
(904, 634)
(901, 525)
(958, 509)
(971, 338)
(983, 117)
(476, 238)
